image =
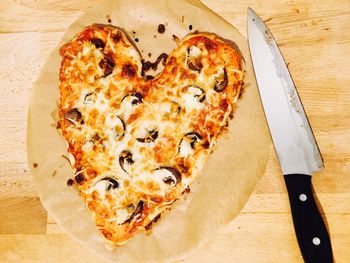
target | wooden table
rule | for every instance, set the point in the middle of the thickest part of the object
(314, 37)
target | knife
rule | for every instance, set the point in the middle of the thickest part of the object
(294, 142)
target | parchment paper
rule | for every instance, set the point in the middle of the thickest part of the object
(219, 192)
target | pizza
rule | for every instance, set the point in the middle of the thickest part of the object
(135, 143)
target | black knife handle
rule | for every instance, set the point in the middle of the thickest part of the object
(311, 232)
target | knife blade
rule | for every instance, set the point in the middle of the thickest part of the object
(292, 136)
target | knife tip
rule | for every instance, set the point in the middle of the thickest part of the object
(251, 14)
(250, 11)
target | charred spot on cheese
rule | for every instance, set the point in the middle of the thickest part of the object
(96, 138)
(128, 71)
(206, 145)
(137, 212)
(183, 165)
(223, 104)
(98, 43)
(125, 157)
(80, 178)
(147, 65)
(221, 82)
(171, 175)
(151, 136)
(74, 116)
(209, 44)
(195, 67)
(136, 98)
(117, 37)
(107, 64)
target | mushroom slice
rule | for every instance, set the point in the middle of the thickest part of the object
(221, 82)
(119, 128)
(188, 142)
(98, 43)
(151, 136)
(133, 98)
(115, 127)
(197, 92)
(175, 107)
(193, 59)
(125, 159)
(104, 185)
(192, 98)
(170, 175)
(129, 102)
(195, 66)
(169, 107)
(89, 98)
(137, 212)
(193, 137)
(113, 184)
(74, 116)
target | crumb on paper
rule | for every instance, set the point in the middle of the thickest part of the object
(176, 38)
(108, 17)
(35, 165)
(186, 190)
(54, 173)
(161, 28)
(182, 19)
(65, 157)
(190, 27)
(70, 182)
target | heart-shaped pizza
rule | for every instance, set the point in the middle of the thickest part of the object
(136, 143)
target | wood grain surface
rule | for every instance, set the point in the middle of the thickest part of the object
(314, 37)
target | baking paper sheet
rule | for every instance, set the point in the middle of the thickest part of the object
(219, 192)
